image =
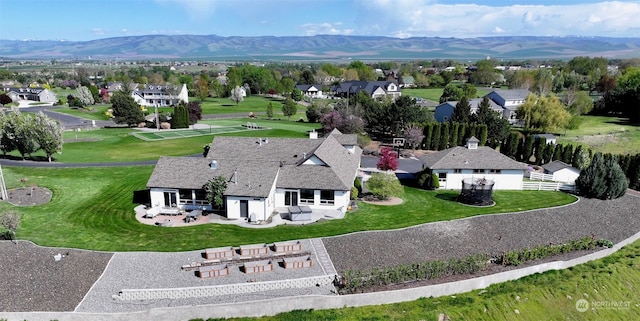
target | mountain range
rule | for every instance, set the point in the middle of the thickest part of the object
(322, 47)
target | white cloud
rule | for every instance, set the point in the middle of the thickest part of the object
(99, 31)
(428, 18)
(325, 28)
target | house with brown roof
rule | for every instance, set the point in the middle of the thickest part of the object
(452, 165)
(262, 175)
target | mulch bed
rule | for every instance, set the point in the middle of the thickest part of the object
(29, 196)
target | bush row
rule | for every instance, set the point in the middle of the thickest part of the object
(517, 257)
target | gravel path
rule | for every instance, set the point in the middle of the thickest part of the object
(31, 280)
(614, 220)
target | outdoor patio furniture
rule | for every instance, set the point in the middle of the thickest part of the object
(219, 253)
(165, 223)
(283, 247)
(213, 270)
(297, 262)
(152, 212)
(170, 211)
(300, 213)
(192, 216)
(249, 250)
(258, 266)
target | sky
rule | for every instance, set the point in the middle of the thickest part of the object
(80, 20)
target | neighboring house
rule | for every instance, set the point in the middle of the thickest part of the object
(407, 82)
(550, 138)
(159, 95)
(313, 91)
(472, 161)
(561, 171)
(262, 175)
(38, 94)
(375, 89)
(445, 110)
(510, 100)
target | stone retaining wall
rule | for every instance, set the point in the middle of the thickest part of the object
(227, 289)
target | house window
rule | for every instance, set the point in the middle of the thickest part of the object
(478, 171)
(457, 171)
(495, 171)
(327, 197)
(306, 196)
(185, 195)
(442, 177)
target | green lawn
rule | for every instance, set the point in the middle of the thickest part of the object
(605, 134)
(92, 208)
(95, 112)
(547, 296)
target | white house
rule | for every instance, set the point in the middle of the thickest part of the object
(313, 91)
(510, 100)
(472, 161)
(159, 95)
(38, 94)
(262, 175)
(375, 89)
(561, 171)
(444, 111)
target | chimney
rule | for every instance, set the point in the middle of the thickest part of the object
(213, 164)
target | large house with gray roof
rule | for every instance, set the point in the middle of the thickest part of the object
(262, 175)
(161, 96)
(37, 94)
(375, 89)
(504, 101)
(472, 161)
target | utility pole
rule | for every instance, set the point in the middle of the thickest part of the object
(3, 187)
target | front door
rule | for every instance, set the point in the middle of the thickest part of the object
(170, 199)
(244, 208)
(291, 198)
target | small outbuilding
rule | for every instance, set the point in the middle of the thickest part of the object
(561, 171)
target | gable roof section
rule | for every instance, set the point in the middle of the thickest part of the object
(512, 94)
(462, 158)
(557, 165)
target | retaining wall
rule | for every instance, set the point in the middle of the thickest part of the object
(279, 305)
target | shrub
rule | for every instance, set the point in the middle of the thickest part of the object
(354, 193)
(384, 186)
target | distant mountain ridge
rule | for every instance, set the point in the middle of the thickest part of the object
(322, 47)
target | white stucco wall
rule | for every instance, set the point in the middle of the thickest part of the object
(340, 199)
(257, 206)
(506, 180)
(566, 175)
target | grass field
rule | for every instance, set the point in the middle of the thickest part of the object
(609, 285)
(605, 134)
(92, 208)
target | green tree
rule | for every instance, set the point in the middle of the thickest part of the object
(289, 108)
(444, 136)
(451, 92)
(195, 112)
(5, 99)
(214, 190)
(296, 94)
(603, 179)
(428, 133)
(217, 88)
(462, 112)
(85, 96)
(286, 85)
(527, 148)
(48, 134)
(125, 109)
(543, 113)
(383, 186)
(581, 158)
(23, 133)
(180, 117)
(510, 147)
(270, 110)
(202, 86)
(435, 138)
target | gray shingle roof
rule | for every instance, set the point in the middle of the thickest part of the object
(251, 165)
(556, 165)
(512, 94)
(462, 158)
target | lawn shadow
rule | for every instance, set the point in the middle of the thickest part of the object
(622, 122)
(447, 197)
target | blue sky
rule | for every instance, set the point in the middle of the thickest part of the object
(91, 19)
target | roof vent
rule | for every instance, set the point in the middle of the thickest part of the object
(213, 164)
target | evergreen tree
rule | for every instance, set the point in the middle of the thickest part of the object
(539, 149)
(633, 172)
(557, 153)
(547, 154)
(462, 133)
(462, 112)
(581, 158)
(125, 109)
(435, 140)
(444, 136)
(428, 133)
(603, 179)
(180, 117)
(214, 190)
(510, 147)
(527, 151)
(270, 113)
(453, 134)
(482, 134)
(567, 154)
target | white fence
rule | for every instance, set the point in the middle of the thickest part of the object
(541, 176)
(548, 186)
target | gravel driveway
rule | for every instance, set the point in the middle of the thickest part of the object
(614, 220)
(31, 280)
